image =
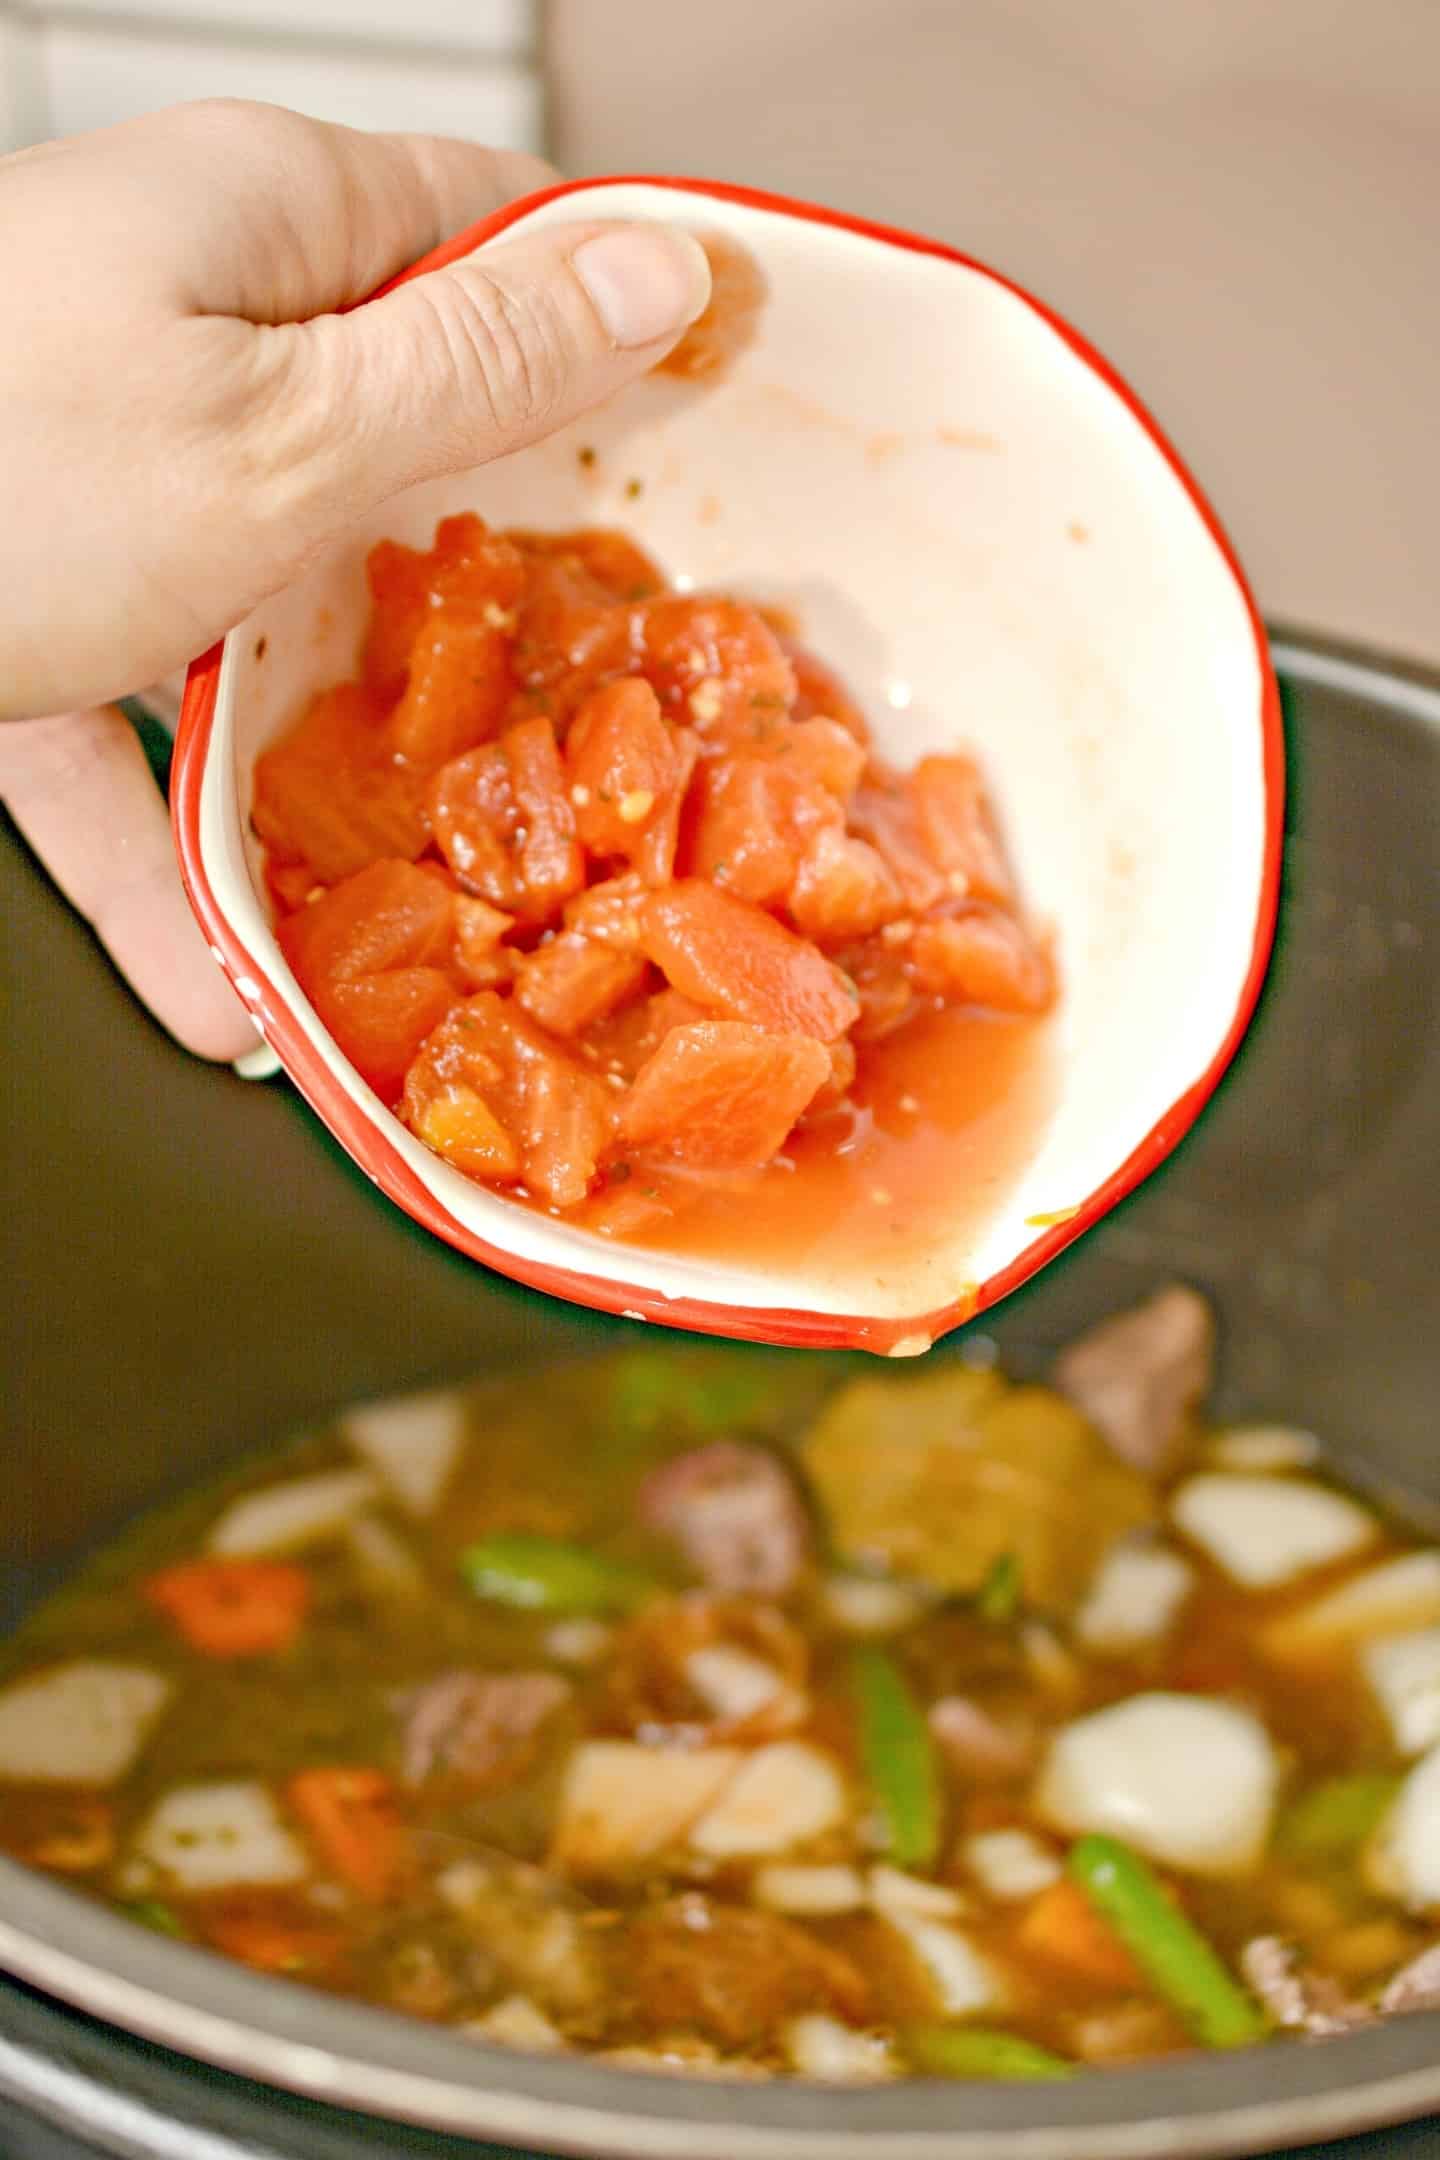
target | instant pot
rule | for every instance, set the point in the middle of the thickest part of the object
(195, 1269)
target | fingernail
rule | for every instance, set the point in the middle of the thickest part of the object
(646, 281)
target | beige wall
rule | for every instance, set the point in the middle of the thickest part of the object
(1238, 199)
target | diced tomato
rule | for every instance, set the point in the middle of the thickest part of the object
(883, 812)
(476, 571)
(566, 1121)
(505, 824)
(290, 884)
(612, 559)
(457, 692)
(374, 956)
(627, 773)
(622, 1043)
(720, 1095)
(330, 794)
(957, 830)
(841, 1078)
(754, 819)
(474, 815)
(353, 1817)
(232, 1608)
(878, 968)
(272, 1931)
(572, 634)
(548, 858)
(460, 1125)
(609, 912)
(399, 581)
(389, 915)
(819, 693)
(823, 750)
(380, 1021)
(741, 964)
(482, 961)
(573, 981)
(983, 957)
(842, 889)
(714, 662)
(555, 1113)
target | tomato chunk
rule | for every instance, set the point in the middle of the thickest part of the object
(755, 818)
(721, 1095)
(819, 692)
(470, 571)
(842, 889)
(741, 964)
(573, 981)
(457, 692)
(713, 661)
(329, 793)
(982, 957)
(627, 773)
(373, 956)
(505, 824)
(957, 830)
(883, 812)
(554, 1113)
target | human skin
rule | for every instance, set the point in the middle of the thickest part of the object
(187, 420)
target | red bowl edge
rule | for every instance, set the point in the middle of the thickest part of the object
(382, 1162)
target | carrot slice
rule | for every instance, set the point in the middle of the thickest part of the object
(741, 964)
(232, 1608)
(353, 1818)
(269, 1932)
(1061, 1927)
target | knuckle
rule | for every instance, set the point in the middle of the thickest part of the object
(506, 346)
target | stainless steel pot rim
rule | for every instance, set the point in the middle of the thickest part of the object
(360, 2059)
(355, 2058)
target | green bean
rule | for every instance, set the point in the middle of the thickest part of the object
(998, 1597)
(980, 2051)
(1333, 1820)
(899, 1759)
(1179, 1963)
(154, 1914)
(541, 1574)
(652, 1390)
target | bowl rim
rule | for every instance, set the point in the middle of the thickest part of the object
(367, 1143)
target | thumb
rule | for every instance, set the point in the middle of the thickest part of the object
(486, 355)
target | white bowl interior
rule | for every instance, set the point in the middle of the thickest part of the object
(977, 530)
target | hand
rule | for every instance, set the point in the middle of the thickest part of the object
(185, 422)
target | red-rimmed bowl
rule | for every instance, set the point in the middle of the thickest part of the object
(980, 525)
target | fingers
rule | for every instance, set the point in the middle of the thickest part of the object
(247, 210)
(81, 792)
(328, 213)
(480, 358)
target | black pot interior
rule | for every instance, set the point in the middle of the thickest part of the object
(203, 1269)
